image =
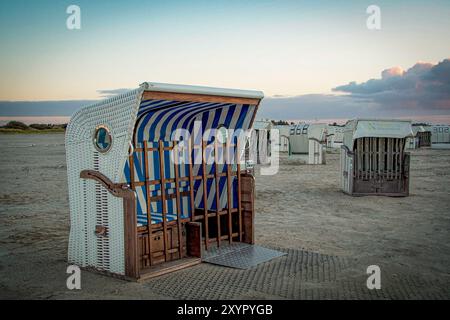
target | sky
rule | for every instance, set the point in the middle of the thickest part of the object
(312, 59)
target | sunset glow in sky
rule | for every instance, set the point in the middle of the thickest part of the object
(284, 48)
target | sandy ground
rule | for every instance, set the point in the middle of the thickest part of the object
(301, 207)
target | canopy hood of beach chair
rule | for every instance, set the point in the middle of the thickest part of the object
(202, 90)
(152, 112)
(165, 108)
(376, 128)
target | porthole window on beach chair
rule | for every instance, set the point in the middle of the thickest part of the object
(102, 139)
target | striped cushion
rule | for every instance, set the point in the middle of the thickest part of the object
(157, 120)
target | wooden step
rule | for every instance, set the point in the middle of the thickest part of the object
(167, 267)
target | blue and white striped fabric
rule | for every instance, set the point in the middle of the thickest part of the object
(157, 120)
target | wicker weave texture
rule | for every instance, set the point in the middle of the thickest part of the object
(90, 203)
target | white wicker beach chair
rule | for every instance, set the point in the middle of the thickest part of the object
(134, 212)
(373, 157)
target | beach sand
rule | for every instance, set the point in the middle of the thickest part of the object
(301, 208)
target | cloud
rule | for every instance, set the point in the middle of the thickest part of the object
(423, 87)
(422, 90)
(392, 72)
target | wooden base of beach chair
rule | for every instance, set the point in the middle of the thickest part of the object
(168, 267)
(165, 255)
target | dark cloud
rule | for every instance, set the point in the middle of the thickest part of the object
(310, 106)
(41, 108)
(422, 87)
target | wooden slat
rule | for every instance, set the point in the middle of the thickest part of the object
(225, 237)
(159, 226)
(205, 194)
(131, 161)
(171, 266)
(194, 239)
(182, 179)
(130, 237)
(363, 163)
(392, 156)
(207, 146)
(163, 198)
(130, 226)
(169, 196)
(199, 217)
(400, 157)
(238, 164)
(216, 180)
(402, 145)
(158, 95)
(375, 158)
(388, 158)
(149, 218)
(396, 159)
(357, 169)
(366, 164)
(229, 198)
(254, 114)
(358, 159)
(191, 181)
(363, 154)
(178, 200)
(369, 157)
(381, 150)
(368, 152)
(152, 149)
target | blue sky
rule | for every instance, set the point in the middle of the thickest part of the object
(284, 48)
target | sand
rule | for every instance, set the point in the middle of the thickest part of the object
(301, 207)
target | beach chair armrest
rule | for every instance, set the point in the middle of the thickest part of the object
(349, 152)
(121, 190)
